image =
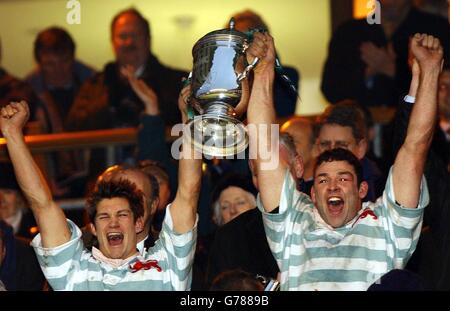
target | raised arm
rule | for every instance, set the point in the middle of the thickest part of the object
(184, 207)
(261, 115)
(49, 217)
(410, 160)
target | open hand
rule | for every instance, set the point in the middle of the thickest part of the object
(142, 90)
(13, 118)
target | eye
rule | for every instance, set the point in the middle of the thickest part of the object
(322, 181)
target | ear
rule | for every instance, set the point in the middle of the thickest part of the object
(361, 148)
(363, 189)
(298, 166)
(139, 225)
(91, 226)
(154, 206)
(313, 195)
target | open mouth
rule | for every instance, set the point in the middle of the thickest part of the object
(335, 205)
(115, 238)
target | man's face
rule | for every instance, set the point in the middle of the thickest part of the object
(116, 229)
(333, 136)
(301, 133)
(8, 203)
(56, 68)
(130, 42)
(234, 201)
(393, 9)
(444, 94)
(336, 194)
(142, 183)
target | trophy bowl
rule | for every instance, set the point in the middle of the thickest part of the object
(219, 92)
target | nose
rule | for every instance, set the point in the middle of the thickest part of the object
(233, 210)
(114, 222)
(332, 185)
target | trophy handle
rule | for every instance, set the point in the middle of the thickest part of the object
(247, 69)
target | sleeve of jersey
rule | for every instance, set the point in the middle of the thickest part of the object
(178, 250)
(57, 263)
(403, 224)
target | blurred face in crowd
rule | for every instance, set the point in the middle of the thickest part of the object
(444, 94)
(10, 202)
(234, 201)
(393, 9)
(164, 193)
(302, 132)
(116, 228)
(336, 193)
(130, 42)
(333, 136)
(56, 68)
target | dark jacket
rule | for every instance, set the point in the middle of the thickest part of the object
(20, 269)
(432, 256)
(343, 74)
(242, 243)
(107, 101)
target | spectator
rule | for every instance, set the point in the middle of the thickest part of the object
(19, 268)
(343, 126)
(108, 101)
(56, 81)
(302, 131)
(285, 97)
(13, 206)
(236, 280)
(368, 62)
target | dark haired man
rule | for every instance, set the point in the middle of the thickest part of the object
(343, 125)
(117, 218)
(109, 101)
(56, 81)
(58, 75)
(334, 242)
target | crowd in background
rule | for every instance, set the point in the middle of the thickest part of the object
(367, 66)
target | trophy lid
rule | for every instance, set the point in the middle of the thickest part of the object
(228, 34)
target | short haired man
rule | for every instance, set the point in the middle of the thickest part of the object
(116, 211)
(334, 242)
(343, 126)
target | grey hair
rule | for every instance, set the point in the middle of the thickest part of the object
(216, 210)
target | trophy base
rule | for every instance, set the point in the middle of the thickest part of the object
(217, 135)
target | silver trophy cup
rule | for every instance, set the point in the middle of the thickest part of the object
(219, 92)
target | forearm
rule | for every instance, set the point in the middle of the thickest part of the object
(423, 117)
(261, 117)
(49, 217)
(28, 175)
(184, 207)
(410, 161)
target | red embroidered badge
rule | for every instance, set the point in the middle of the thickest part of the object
(364, 214)
(147, 265)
